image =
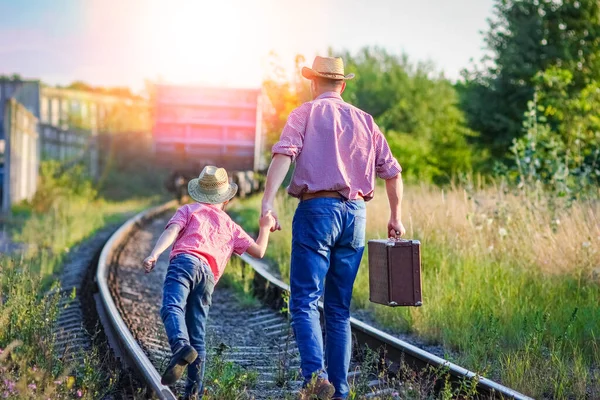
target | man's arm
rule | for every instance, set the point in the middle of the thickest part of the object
(395, 188)
(277, 171)
(164, 241)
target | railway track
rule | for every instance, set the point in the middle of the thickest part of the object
(253, 338)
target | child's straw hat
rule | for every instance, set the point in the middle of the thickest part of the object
(212, 186)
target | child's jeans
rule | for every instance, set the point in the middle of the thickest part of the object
(187, 295)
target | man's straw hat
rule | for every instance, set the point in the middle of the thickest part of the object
(326, 67)
(212, 186)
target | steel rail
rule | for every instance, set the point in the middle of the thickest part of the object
(126, 347)
(120, 338)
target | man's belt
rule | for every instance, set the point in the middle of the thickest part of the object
(322, 193)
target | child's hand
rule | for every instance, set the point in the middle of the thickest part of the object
(267, 220)
(149, 263)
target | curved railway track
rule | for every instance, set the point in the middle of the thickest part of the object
(255, 337)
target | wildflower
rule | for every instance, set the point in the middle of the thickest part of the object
(585, 245)
(58, 383)
(79, 393)
(1, 351)
(5, 394)
(502, 232)
(32, 386)
(70, 382)
(10, 385)
(34, 369)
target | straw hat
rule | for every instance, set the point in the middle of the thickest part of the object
(326, 67)
(212, 186)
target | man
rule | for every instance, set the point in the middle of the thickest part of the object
(338, 150)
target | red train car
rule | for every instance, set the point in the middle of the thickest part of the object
(196, 126)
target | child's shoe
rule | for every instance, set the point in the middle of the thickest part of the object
(191, 395)
(184, 356)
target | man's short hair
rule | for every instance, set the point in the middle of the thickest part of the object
(332, 83)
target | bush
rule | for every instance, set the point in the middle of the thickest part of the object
(544, 160)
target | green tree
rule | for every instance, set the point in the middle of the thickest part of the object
(525, 38)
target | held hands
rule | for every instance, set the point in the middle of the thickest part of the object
(149, 263)
(267, 220)
(268, 209)
(395, 228)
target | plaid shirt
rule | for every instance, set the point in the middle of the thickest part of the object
(209, 233)
(336, 147)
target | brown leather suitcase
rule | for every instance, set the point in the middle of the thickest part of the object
(395, 272)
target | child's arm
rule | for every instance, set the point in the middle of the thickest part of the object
(259, 248)
(164, 241)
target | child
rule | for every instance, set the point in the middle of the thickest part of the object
(205, 237)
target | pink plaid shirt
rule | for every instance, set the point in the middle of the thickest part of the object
(209, 233)
(336, 147)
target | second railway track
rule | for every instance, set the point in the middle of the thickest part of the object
(254, 337)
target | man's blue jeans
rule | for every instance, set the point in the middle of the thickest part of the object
(328, 240)
(187, 296)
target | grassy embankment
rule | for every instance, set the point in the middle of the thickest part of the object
(510, 282)
(66, 210)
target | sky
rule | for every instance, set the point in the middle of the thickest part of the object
(226, 42)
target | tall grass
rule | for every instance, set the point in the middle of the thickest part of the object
(510, 282)
(65, 210)
(30, 366)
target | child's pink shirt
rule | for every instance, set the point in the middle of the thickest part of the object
(209, 233)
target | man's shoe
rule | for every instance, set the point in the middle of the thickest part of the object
(321, 389)
(186, 355)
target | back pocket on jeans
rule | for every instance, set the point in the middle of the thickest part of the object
(360, 225)
(209, 288)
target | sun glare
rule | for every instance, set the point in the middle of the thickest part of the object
(205, 43)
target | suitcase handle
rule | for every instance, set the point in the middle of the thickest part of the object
(391, 241)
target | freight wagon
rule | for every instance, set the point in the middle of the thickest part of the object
(197, 126)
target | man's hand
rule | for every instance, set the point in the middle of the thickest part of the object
(267, 209)
(149, 263)
(395, 229)
(267, 221)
